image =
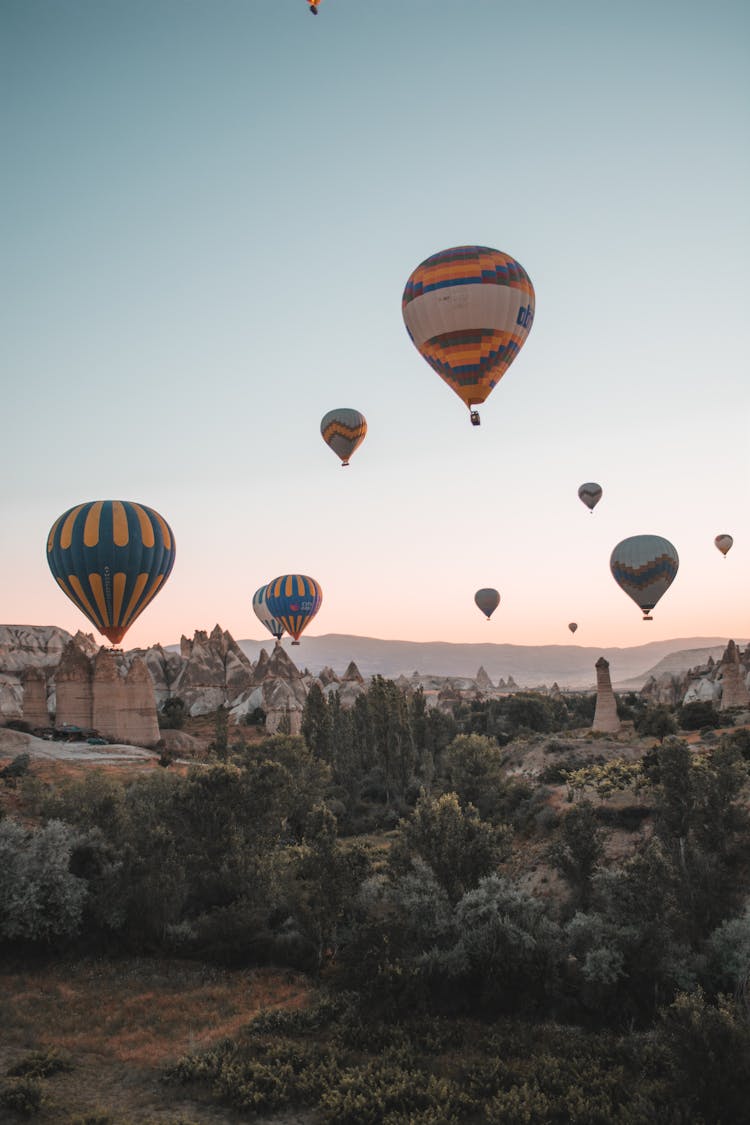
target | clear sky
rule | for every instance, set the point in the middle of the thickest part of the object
(209, 211)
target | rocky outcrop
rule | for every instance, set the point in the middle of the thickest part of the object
(35, 708)
(214, 671)
(483, 681)
(605, 715)
(734, 692)
(107, 693)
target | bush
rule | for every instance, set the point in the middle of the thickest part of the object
(24, 1096)
(41, 1064)
(697, 715)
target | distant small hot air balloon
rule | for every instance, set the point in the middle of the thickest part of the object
(572, 626)
(294, 599)
(468, 311)
(644, 566)
(344, 431)
(262, 612)
(590, 493)
(724, 542)
(111, 557)
(488, 600)
(313, 6)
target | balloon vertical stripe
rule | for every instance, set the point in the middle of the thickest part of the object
(110, 554)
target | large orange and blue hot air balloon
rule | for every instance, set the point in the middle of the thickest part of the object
(468, 311)
(111, 558)
(644, 566)
(343, 430)
(294, 599)
(262, 612)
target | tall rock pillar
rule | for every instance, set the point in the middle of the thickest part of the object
(605, 715)
(138, 721)
(73, 688)
(734, 691)
(109, 695)
(35, 710)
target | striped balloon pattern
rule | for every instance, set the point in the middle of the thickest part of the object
(590, 494)
(344, 431)
(468, 311)
(264, 615)
(644, 566)
(111, 558)
(294, 599)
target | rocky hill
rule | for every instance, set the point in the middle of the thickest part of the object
(212, 670)
(571, 666)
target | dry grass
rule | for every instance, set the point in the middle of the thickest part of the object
(121, 1022)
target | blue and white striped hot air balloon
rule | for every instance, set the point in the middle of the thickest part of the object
(264, 615)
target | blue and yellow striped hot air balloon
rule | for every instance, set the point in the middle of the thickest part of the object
(294, 599)
(344, 431)
(468, 311)
(111, 557)
(644, 566)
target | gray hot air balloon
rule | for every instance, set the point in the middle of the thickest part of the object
(488, 600)
(590, 493)
(573, 626)
(344, 431)
(724, 542)
(644, 566)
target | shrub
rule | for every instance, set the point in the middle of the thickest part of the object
(41, 1064)
(24, 1096)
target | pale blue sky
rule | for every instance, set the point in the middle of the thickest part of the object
(209, 211)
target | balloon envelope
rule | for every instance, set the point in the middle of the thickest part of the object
(468, 311)
(644, 566)
(264, 615)
(590, 493)
(488, 600)
(294, 599)
(573, 626)
(111, 557)
(344, 431)
(724, 542)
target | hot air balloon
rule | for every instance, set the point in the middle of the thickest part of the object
(344, 430)
(590, 493)
(488, 600)
(644, 566)
(262, 612)
(294, 599)
(111, 557)
(573, 626)
(724, 542)
(313, 6)
(468, 311)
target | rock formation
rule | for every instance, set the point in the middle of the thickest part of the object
(35, 708)
(734, 691)
(101, 693)
(605, 715)
(214, 671)
(483, 681)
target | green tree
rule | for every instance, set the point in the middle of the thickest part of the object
(473, 768)
(697, 715)
(173, 713)
(458, 846)
(578, 850)
(41, 901)
(656, 722)
(316, 724)
(220, 744)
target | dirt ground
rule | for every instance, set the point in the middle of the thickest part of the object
(121, 1023)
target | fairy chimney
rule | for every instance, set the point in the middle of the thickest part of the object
(605, 715)
(35, 711)
(734, 691)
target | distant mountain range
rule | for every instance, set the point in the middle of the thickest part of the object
(569, 666)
